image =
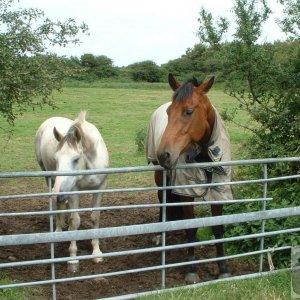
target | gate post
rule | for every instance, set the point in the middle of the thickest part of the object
(263, 223)
(52, 244)
(163, 236)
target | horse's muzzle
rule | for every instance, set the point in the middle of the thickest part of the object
(164, 160)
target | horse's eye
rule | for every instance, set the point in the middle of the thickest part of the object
(188, 112)
(76, 160)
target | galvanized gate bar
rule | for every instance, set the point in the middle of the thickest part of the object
(104, 208)
(53, 237)
(149, 168)
(138, 270)
(146, 189)
(191, 286)
(150, 250)
(26, 239)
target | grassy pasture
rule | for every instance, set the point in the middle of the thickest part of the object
(118, 112)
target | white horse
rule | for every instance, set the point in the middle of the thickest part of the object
(65, 145)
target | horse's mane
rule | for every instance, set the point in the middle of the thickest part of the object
(71, 136)
(186, 89)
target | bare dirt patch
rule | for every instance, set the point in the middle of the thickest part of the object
(100, 287)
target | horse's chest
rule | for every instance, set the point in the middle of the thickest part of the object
(203, 156)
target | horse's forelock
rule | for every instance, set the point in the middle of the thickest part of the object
(71, 137)
(186, 90)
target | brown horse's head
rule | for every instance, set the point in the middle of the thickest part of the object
(190, 119)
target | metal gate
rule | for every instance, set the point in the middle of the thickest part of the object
(52, 237)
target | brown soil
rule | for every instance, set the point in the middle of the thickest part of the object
(109, 286)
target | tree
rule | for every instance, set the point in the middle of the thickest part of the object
(291, 21)
(266, 84)
(145, 71)
(209, 32)
(28, 72)
(267, 88)
(98, 67)
(192, 63)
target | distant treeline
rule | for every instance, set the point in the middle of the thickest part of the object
(199, 61)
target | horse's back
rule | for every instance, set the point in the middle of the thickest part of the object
(100, 152)
(45, 142)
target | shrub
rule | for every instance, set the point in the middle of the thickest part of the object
(140, 139)
(145, 71)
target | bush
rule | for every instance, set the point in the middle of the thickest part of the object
(140, 140)
(145, 71)
(284, 194)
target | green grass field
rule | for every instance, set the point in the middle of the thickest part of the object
(118, 112)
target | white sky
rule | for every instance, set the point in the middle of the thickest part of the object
(129, 31)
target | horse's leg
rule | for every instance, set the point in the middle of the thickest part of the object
(172, 212)
(218, 232)
(57, 205)
(188, 213)
(60, 218)
(95, 216)
(158, 178)
(74, 223)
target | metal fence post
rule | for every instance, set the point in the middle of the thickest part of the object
(263, 223)
(52, 244)
(164, 218)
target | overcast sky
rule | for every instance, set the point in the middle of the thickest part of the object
(129, 31)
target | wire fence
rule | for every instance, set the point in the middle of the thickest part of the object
(51, 237)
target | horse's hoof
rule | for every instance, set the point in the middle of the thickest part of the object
(97, 260)
(192, 278)
(224, 275)
(73, 266)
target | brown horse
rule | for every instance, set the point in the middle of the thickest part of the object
(189, 129)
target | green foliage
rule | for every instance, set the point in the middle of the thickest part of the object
(13, 293)
(145, 71)
(199, 61)
(140, 139)
(208, 32)
(264, 79)
(291, 21)
(96, 67)
(27, 70)
(284, 194)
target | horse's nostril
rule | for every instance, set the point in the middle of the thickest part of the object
(167, 155)
(164, 159)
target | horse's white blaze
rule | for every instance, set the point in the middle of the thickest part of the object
(73, 145)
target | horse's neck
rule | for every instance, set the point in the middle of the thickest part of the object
(204, 142)
(210, 122)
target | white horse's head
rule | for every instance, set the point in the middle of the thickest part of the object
(69, 157)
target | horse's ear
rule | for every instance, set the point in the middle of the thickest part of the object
(205, 86)
(174, 84)
(77, 135)
(57, 135)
